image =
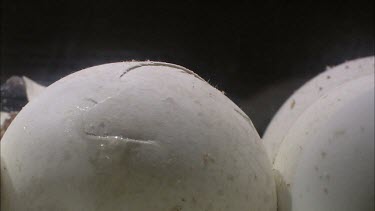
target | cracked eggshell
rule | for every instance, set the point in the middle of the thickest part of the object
(326, 160)
(307, 95)
(134, 136)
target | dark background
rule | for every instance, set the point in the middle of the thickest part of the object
(258, 53)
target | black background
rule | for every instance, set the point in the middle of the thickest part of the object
(243, 48)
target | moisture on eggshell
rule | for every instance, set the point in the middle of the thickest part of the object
(134, 136)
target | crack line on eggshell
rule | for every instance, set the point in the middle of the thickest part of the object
(118, 138)
(88, 108)
(149, 63)
(243, 115)
(91, 100)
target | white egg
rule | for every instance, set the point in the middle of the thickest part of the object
(134, 136)
(325, 158)
(307, 95)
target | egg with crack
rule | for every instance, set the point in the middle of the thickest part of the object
(134, 136)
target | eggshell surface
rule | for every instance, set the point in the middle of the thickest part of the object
(310, 92)
(326, 160)
(145, 136)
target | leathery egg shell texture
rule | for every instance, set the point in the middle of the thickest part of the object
(134, 136)
(326, 160)
(308, 94)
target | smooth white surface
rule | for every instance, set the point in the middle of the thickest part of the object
(326, 160)
(305, 96)
(145, 136)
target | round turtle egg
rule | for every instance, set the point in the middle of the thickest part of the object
(134, 136)
(308, 94)
(325, 160)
